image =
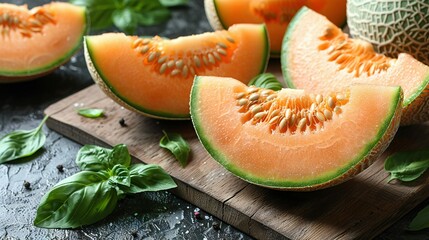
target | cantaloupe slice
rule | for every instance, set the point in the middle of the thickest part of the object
(276, 14)
(154, 76)
(318, 56)
(293, 140)
(35, 42)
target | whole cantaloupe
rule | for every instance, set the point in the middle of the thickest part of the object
(392, 26)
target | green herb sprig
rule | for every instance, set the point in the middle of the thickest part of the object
(22, 143)
(127, 15)
(266, 80)
(91, 112)
(407, 166)
(92, 194)
(177, 145)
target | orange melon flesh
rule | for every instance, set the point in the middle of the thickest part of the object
(224, 13)
(129, 78)
(306, 66)
(26, 56)
(345, 145)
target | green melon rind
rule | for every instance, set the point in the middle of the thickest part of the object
(418, 91)
(106, 86)
(51, 66)
(388, 125)
(285, 46)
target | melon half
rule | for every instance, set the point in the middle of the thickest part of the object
(293, 139)
(318, 56)
(36, 41)
(154, 76)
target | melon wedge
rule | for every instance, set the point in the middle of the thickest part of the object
(35, 42)
(276, 14)
(318, 56)
(259, 135)
(154, 76)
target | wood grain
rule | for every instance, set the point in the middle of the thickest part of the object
(358, 209)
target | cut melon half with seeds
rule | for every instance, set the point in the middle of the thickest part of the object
(318, 56)
(292, 139)
(35, 42)
(154, 76)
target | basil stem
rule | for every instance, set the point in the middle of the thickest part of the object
(22, 143)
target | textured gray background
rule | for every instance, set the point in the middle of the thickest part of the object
(151, 215)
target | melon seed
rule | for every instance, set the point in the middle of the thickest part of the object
(185, 71)
(301, 124)
(252, 89)
(320, 116)
(137, 42)
(283, 123)
(145, 41)
(144, 49)
(221, 51)
(274, 120)
(163, 68)
(265, 92)
(206, 62)
(170, 63)
(240, 95)
(175, 72)
(260, 115)
(230, 39)
(275, 113)
(254, 97)
(192, 71)
(340, 97)
(337, 110)
(271, 97)
(151, 57)
(327, 113)
(256, 109)
(288, 114)
(179, 63)
(162, 59)
(331, 102)
(217, 56)
(222, 45)
(319, 98)
(211, 58)
(197, 61)
(243, 102)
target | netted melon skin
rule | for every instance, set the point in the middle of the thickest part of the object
(392, 26)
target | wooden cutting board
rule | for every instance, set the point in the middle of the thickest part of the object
(358, 209)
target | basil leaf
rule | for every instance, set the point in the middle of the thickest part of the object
(420, 221)
(266, 80)
(93, 158)
(119, 155)
(125, 14)
(407, 166)
(153, 17)
(22, 143)
(173, 3)
(81, 199)
(177, 145)
(125, 19)
(90, 112)
(149, 177)
(120, 175)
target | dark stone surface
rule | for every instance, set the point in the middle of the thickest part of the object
(158, 215)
